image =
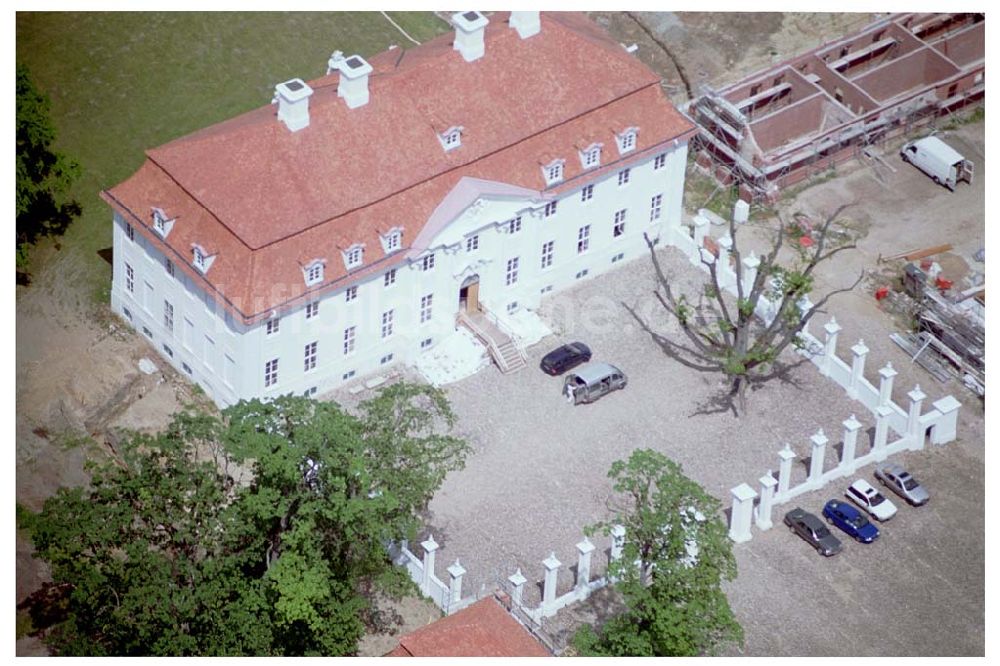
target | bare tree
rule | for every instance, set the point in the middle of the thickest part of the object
(726, 336)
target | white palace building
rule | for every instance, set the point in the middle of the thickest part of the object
(363, 216)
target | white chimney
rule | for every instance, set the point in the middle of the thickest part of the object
(469, 29)
(526, 23)
(292, 98)
(354, 71)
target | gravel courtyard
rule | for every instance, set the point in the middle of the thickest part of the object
(538, 472)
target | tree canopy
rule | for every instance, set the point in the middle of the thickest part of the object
(170, 552)
(44, 175)
(675, 605)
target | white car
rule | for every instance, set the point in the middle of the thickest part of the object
(864, 495)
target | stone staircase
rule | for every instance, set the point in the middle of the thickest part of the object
(502, 348)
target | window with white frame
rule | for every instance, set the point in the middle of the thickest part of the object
(512, 226)
(310, 356)
(349, 335)
(169, 266)
(451, 138)
(389, 278)
(426, 304)
(587, 193)
(271, 372)
(127, 313)
(583, 239)
(168, 316)
(385, 359)
(129, 278)
(512, 270)
(623, 177)
(426, 342)
(314, 273)
(656, 204)
(427, 263)
(547, 252)
(512, 307)
(350, 294)
(553, 171)
(591, 156)
(472, 243)
(619, 227)
(626, 140)
(161, 223)
(387, 323)
(392, 241)
(550, 209)
(129, 232)
(200, 258)
(312, 309)
(273, 325)
(660, 161)
(353, 256)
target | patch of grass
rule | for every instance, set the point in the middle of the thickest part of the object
(701, 191)
(122, 82)
(24, 626)
(977, 115)
(69, 440)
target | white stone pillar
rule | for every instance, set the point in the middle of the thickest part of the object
(832, 329)
(887, 374)
(584, 550)
(851, 428)
(819, 441)
(860, 352)
(517, 580)
(430, 547)
(551, 577)
(768, 484)
(805, 305)
(916, 397)
(617, 546)
(785, 469)
(700, 231)
(750, 265)
(946, 429)
(882, 413)
(726, 276)
(455, 571)
(741, 513)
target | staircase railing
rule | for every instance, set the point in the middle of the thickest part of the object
(486, 339)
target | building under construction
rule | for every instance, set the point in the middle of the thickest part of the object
(779, 126)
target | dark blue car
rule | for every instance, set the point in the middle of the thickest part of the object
(850, 520)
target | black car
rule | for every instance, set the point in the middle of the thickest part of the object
(565, 358)
(812, 529)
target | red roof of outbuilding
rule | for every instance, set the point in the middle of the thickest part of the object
(484, 629)
(268, 201)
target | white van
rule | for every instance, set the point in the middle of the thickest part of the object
(592, 381)
(938, 160)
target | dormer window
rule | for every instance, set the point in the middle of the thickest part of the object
(553, 171)
(626, 139)
(314, 272)
(201, 259)
(353, 256)
(451, 138)
(590, 156)
(161, 223)
(392, 240)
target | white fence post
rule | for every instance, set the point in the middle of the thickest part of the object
(430, 546)
(700, 231)
(946, 429)
(584, 549)
(888, 374)
(552, 565)
(741, 513)
(832, 329)
(750, 265)
(860, 352)
(518, 580)
(723, 268)
(785, 469)
(819, 441)
(767, 486)
(456, 571)
(882, 413)
(617, 545)
(851, 427)
(916, 397)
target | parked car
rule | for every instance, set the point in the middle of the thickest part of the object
(901, 483)
(861, 493)
(812, 529)
(593, 381)
(565, 358)
(850, 520)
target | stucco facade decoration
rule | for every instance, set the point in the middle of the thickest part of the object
(300, 260)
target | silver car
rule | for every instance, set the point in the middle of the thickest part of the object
(901, 483)
(592, 381)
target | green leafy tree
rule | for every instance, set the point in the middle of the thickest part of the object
(44, 175)
(723, 334)
(167, 554)
(674, 601)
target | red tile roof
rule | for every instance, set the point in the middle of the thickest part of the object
(269, 200)
(484, 629)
